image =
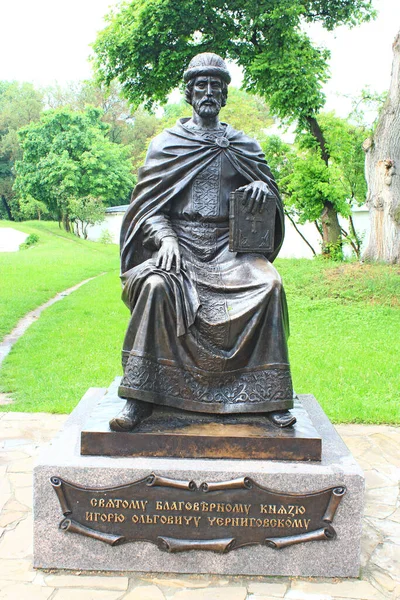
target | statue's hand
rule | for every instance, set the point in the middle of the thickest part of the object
(255, 196)
(168, 254)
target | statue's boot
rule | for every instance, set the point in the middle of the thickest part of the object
(282, 418)
(131, 415)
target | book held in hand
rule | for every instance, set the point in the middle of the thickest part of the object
(250, 232)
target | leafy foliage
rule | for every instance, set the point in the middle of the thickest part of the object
(20, 104)
(148, 43)
(84, 212)
(79, 96)
(67, 155)
(344, 141)
(307, 183)
(31, 240)
(367, 107)
(29, 208)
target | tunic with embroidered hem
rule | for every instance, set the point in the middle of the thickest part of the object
(212, 338)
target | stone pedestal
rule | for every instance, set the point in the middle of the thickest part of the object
(56, 548)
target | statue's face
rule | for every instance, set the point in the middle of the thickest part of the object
(207, 96)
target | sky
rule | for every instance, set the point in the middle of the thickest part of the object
(48, 41)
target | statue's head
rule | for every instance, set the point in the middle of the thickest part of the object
(207, 79)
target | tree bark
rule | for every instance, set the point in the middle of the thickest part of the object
(382, 167)
(8, 211)
(66, 223)
(319, 136)
(331, 232)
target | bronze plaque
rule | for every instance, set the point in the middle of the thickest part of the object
(179, 516)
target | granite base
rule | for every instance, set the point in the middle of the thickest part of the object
(56, 549)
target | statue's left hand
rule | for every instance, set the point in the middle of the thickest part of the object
(255, 196)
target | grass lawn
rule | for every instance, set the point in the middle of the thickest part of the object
(345, 337)
(59, 260)
(344, 342)
(76, 344)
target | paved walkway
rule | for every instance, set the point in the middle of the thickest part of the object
(377, 448)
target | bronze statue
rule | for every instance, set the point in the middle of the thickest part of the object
(208, 328)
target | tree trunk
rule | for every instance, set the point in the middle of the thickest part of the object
(66, 223)
(382, 166)
(316, 131)
(330, 222)
(5, 203)
(331, 232)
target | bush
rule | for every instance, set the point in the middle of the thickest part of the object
(31, 240)
(106, 237)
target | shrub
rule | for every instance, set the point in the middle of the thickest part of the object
(31, 240)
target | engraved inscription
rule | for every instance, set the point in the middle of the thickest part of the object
(178, 516)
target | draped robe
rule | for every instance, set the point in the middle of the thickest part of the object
(212, 338)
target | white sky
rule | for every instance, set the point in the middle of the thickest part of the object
(44, 41)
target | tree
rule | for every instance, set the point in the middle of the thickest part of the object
(382, 164)
(145, 126)
(147, 44)
(281, 158)
(340, 182)
(20, 104)
(68, 155)
(30, 208)
(78, 96)
(307, 183)
(84, 212)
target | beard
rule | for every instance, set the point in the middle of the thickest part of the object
(207, 107)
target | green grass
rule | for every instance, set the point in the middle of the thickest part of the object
(76, 344)
(344, 342)
(58, 261)
(345, 337)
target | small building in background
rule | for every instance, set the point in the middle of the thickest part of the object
(295, 247)
(110, 227)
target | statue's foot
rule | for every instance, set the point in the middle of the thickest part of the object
(131, 415)
(282, 418)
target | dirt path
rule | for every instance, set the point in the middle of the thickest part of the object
(11, 338)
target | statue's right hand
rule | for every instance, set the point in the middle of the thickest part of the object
(168, 254)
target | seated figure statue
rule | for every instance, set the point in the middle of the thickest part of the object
(208, 328)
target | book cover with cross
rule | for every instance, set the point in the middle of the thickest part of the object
(250, 232)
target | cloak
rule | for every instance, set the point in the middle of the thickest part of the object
(174, 159)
